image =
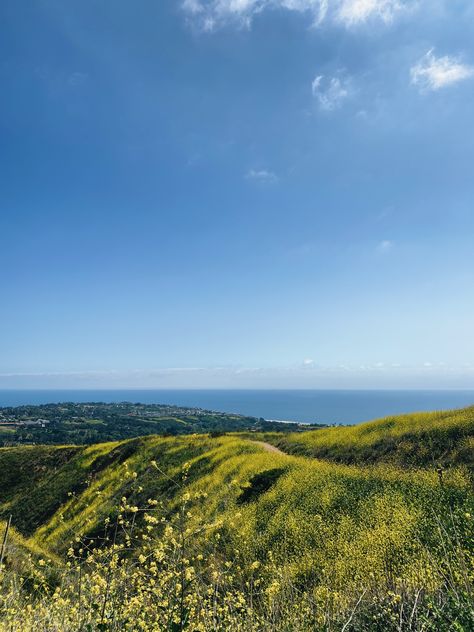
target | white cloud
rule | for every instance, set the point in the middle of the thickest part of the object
(210, 15)
(353, 12)
(330, 92)
(384, 246)
(262, 175)
(193, 6)
(434, 73)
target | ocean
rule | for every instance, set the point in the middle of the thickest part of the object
(306, 406)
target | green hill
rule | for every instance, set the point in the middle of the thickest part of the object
(421, 439)
(203, 533)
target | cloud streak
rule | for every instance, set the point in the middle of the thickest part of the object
(306, 374)
(210, 15)
(433, 73)
(262, 175)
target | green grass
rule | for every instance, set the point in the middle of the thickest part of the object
(380, 522)
(421, 440)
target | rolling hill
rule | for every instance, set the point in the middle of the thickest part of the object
(217, 533)
(438, 439)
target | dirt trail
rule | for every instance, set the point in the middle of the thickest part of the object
(270, 448)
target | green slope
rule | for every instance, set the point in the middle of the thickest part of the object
(420, 440)
(309, 529)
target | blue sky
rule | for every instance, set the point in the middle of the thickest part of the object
(248, 193)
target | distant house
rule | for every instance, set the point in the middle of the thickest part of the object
(35, 422)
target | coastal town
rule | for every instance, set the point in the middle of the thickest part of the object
(85, 423)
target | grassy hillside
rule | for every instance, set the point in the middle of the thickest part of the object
(206, 533)
(421, 439)
(21, 555)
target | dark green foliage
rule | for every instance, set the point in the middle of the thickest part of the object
(259, 484)
(97, 422)
(22, 468)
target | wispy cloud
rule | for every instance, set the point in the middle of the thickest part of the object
(384, 246)
(330, 92)
(305, 374)
(433, 73)
(262, 175)
(353, 12)
(210, 15)
(77, 78)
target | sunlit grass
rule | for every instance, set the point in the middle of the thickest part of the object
(420, 439)
(266, 541)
